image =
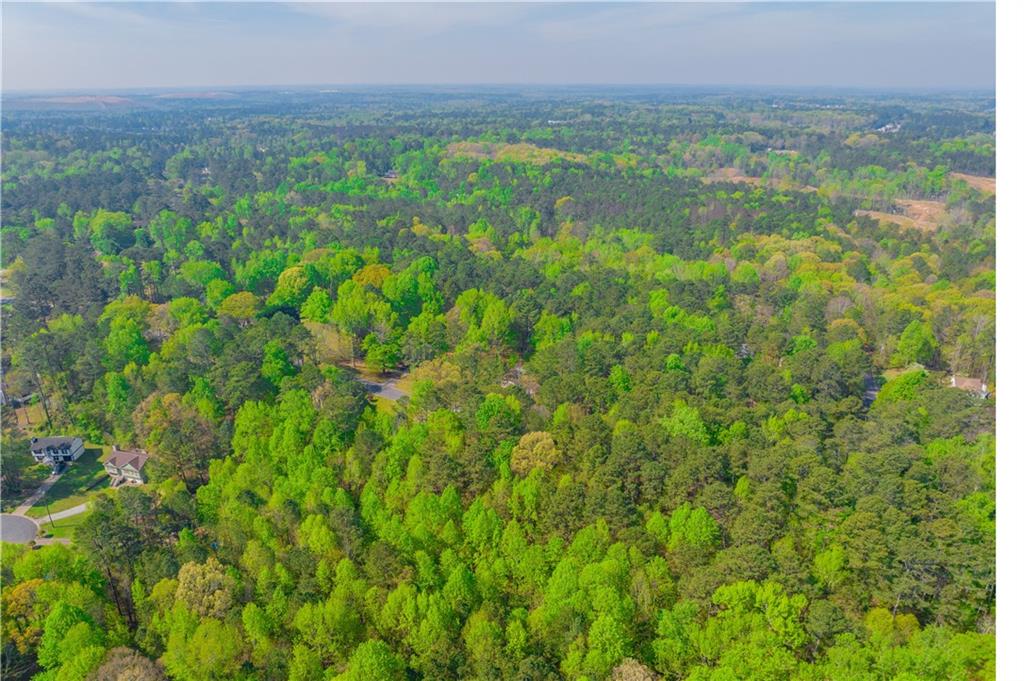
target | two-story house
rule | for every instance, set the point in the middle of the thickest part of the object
(125, 466)
(54, 451)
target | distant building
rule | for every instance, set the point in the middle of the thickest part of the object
(975, 386)
(126, 466)
(56, 450)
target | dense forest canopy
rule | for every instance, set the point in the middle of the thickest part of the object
(672, 373)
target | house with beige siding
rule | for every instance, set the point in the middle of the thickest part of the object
(125, 466)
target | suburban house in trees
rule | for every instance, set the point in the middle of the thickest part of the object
(54, 451)
(975, 386)
(125, 466)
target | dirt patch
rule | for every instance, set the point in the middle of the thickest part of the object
(522, 152)
(732, 175)
(920, 210)
(913, 213)
(891, 218)
(979, 182)
(736, 175)
(29, 417)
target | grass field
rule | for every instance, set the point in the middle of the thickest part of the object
(80, 480)
(63, 528)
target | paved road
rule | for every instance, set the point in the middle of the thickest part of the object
(17, 529)
(68, 512)
(388, 389)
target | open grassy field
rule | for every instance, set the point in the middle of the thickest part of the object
(63, 528)
(79, 481)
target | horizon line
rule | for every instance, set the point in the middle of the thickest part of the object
(227, 88)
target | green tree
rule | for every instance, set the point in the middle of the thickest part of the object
(242, 306)
(179, 437)
(317, 306)
(67, 631)
(373, 661)
(534, 450)
(685, 421)
(276, 363)
(110, 232)
(917, 344)
(206, 588)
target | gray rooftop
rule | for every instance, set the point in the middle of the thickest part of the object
(41, 444)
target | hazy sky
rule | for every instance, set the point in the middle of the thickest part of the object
(126, 45)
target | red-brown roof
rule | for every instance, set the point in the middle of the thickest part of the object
(967, 383)
(122, 457)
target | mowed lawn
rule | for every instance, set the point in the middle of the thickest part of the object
(63, 528)
(80, 480)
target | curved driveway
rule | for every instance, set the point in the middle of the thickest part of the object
(388, 389)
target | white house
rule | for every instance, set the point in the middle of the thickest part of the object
(56, 450)
(125, 466)
(975, 386)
